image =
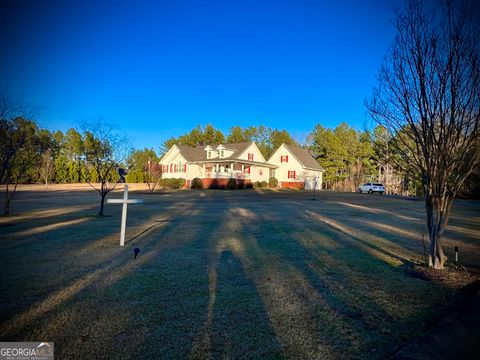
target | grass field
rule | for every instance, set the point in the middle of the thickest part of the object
(235, 274)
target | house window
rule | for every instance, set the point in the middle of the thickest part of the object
(250, 157)
(284, 158)
(222, 153)
(171, 167)
(209, 154)
(246, 170)
(291, 174)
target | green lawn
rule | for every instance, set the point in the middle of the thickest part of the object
(240, 274)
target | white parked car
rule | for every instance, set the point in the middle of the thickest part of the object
(371, 188)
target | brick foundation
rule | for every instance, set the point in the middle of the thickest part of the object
(222, 183)
(292, 185)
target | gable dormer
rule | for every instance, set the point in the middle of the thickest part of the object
(224, 152)
(211, 153)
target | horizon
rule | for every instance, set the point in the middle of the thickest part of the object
(157, 70)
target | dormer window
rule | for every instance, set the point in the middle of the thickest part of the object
(209, 154)
(284, 158)
(250, 157)
(222, 153)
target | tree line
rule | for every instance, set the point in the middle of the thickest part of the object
(349, 157)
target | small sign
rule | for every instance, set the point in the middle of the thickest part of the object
(26, 351)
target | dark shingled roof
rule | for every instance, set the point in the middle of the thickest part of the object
(239, 148)
(191, 153)
(305, 158)
(197, 153)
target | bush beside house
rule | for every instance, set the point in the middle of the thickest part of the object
(172, 183)
(273, 182)
(197, 184)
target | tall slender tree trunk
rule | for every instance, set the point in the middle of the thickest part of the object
(436, 222)
(79, 170)
(102, 203)
(6, 209)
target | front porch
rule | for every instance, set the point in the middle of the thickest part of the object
(226, 171)
(226, 175)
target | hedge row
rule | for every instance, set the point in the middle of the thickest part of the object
(172, 184)
(178, 183)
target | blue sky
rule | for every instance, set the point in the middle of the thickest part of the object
(159, 68)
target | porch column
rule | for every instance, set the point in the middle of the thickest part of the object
(231, 170)
(243, 169)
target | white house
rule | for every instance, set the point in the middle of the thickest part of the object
(215, 164)
(296, 168)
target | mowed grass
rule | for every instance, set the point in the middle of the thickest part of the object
(231, 274)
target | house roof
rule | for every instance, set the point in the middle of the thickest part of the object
(238, 148)
(305, 158)
(198, 153)
(191, 153)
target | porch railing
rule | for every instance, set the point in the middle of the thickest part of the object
(226, 175)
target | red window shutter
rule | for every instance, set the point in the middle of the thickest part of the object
(248, 169)
(281, 158)
(294, 175)
(171, 167)
(286, 158)
(185, 168)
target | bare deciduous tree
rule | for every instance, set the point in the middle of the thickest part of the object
(46, 166)
(428, 98)
(153, 174)
(104, 151)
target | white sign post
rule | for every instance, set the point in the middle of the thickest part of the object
(125, 201)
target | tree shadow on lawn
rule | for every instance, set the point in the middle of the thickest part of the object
(176, 285)
(418, 300)
(409, 234)
(114, 304)
(318, 313)
(300, 316)
(31, 261)
(56, 267)
(237, 322)
(363, 306)
(24, 201)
